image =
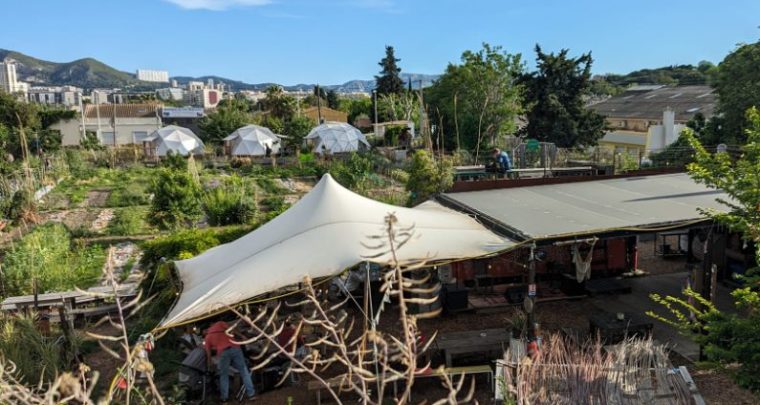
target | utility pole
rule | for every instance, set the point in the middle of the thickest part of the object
(81, 115)
(319, 106)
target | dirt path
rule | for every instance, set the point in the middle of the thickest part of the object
(96, 198)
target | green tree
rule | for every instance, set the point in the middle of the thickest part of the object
(176, 199)
(279, 104)
(728, 337)
(224, 121)
(332, 99)
(389, 81)
(477, 100)
(296, 130)
(15, 116)
(428, 176)
(355, 107)
(738, 88)
(555, 95)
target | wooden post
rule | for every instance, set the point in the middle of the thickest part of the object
(530, 301)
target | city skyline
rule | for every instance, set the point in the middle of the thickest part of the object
(333, 41)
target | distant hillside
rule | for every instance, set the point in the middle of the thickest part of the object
(680, 75)
(87, 73)
(347, 87)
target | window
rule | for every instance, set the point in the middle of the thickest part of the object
(106, 138)
(139, 136)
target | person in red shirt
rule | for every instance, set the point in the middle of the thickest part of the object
(218, 341)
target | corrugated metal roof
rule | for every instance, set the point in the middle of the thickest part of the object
(685, 101)
(629, 138)
(591, 207)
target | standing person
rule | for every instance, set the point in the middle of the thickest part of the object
(501, 158)
(229, 353)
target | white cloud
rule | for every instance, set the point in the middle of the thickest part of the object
(217, 5)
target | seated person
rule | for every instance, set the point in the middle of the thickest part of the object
(189, 340)
(286, 341)
(501, 160)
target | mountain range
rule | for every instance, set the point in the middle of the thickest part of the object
(89, 73)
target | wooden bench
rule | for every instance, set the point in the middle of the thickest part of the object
(458, 371)
(317, 386)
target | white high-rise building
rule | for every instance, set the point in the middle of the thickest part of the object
(9, 81)
(146, 75)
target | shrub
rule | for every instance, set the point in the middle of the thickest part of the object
(47, 258)
(176, 200)
(174, 161)
(127, 221)
(353, 172)
(127, 196)
(228, 204)
(33, 354)
(428, 176)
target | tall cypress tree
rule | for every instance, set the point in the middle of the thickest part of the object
(389, 81)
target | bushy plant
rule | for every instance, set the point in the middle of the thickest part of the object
(127, 221)
(127, 195)
(428, 176)
(176, 200)
(78, 167)
(352, 172)
(228, 204)
(35, 355)
(174, 161)
(46, 258)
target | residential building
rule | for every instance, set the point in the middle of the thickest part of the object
(326, 114)
(112, 123)
(68, 96)
(206, 98)
(194, 85)
(148, 75)
(187, 117)
(647, 118)
(99, 96)
(174, 83)
(171, 93)
(9, 81)
(253, 95)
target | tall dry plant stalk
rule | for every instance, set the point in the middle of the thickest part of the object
(362, 360)
(67, 388)
(134, 356)
(636, 371)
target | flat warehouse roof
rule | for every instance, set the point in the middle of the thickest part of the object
(546, 211)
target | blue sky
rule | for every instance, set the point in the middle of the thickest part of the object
(332, 41)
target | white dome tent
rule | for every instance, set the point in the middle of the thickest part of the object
(176, 139)
(253, 140)
(337, 137)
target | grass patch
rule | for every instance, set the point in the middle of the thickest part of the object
(48, 258)
(129, 221)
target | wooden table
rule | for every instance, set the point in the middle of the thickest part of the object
(612, 330)
(476, 341)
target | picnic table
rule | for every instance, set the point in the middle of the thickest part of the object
(613, 330)
(474, 341)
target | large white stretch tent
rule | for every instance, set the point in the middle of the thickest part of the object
(320, 235)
